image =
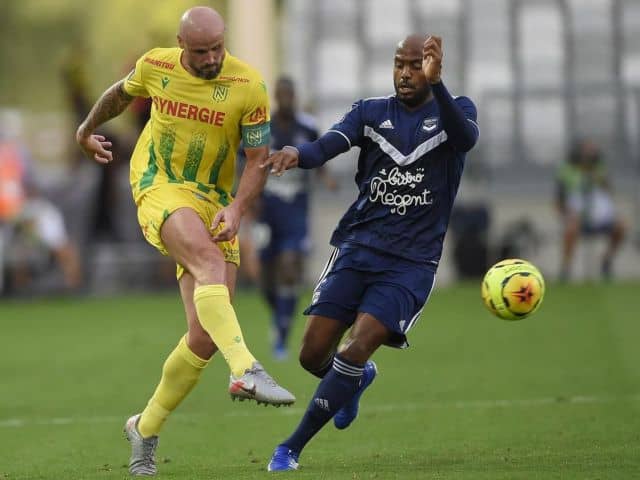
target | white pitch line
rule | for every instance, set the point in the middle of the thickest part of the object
(393, 407)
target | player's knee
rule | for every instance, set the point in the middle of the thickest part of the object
(311, 360)
(207, 254)
(289, 268)
(290, 277)
(204, 261)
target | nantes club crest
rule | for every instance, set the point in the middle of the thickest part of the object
(220, 93)
(254, 137)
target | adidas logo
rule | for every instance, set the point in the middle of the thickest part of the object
(386, 124)
(322, 403)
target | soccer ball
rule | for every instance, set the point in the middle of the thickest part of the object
(513, 289)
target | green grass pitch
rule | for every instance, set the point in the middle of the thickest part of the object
(555, 396)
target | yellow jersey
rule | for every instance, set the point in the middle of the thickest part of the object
(196, 125)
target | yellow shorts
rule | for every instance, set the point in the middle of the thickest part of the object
(155, 206)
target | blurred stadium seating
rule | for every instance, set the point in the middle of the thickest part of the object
(541, 72)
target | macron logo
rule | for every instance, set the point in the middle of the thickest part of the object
(386, 124)
(322, 403)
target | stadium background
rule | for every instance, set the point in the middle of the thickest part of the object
(542, 72)
(554, 396)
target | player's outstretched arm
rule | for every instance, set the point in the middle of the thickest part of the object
(112, 103)
(308, 155)
(282, 160)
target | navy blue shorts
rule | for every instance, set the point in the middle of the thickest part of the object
(357, 279)
(288, 230)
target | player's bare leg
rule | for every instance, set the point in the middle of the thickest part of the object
(189, 242)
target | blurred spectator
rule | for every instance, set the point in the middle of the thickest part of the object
(32, 229)
(103, 223)
(586, 206)
(282, 216)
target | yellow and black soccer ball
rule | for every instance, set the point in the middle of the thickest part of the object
(513, 289)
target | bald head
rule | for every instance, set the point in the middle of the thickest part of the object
(199, 21)
(201, 36)
(413, 43)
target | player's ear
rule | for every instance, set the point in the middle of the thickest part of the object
(180, 41)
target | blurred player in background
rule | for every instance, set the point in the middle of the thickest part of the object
(182, 170)
(586, 206)
(284, 210)
(389, 242)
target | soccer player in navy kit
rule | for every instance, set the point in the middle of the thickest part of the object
(389, 242)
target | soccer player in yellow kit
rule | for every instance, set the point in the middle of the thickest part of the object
(182, 169)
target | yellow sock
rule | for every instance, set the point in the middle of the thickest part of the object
(219, 319)
(180, 373)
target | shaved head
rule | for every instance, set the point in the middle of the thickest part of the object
(198, 21)
(413, 42)
(201, 36)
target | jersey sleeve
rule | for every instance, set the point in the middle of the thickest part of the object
(134, 83)
(459, 118)
(255, 122)
(350, 126)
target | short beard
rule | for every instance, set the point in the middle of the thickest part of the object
(207, 74)
(417, 99)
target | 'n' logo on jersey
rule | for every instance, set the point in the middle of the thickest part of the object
(430, 124)
(165, 82)
(220, 93)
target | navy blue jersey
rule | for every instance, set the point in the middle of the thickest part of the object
(408, 174)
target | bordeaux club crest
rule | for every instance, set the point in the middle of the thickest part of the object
(430, 124)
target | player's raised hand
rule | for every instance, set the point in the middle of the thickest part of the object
(281, 160)
(432, 59)
(229, 218)
(96, 147)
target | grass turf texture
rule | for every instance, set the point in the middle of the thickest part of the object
(556, 395)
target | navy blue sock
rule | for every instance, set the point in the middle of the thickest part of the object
(336, 388)
(284, 306)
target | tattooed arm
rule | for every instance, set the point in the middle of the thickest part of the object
(111, 104)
